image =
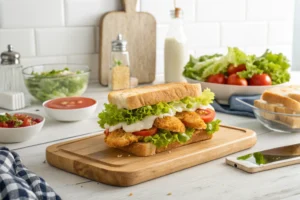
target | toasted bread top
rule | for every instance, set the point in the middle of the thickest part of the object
(151, 95)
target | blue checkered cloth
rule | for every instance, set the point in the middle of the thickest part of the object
(18, 183)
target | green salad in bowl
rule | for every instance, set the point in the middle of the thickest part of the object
(46, 82)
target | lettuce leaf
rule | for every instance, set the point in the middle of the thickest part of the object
(215, 64)
(213, 126)
(163, 138)
(275, 65)
(112, 115)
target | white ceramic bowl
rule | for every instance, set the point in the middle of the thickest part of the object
(21, 134)
(69, 115)
(224, 91)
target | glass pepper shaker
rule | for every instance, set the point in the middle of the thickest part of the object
(119, 73)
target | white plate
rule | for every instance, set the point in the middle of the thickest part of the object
(224, 91)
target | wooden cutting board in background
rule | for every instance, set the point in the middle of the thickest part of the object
(91, 158)
(139, 29)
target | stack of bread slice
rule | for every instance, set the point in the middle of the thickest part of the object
(284, 99)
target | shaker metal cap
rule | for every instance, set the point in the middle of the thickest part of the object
(10, 57)
(119, 44)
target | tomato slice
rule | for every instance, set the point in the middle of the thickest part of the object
(146, 132)
(206, 114)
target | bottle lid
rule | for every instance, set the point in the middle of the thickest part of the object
(119, 44)
(177, 13)
(10, 57)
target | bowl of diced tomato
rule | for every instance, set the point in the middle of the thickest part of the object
(19, 127)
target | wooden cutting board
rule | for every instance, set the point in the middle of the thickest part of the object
(139, 29)
(91, 158)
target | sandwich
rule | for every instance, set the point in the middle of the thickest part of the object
(282, 100)
(152, 119)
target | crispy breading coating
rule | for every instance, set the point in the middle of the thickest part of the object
(191, 120)
(120, 138)
(170, 123)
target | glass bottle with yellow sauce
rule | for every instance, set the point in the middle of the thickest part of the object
(119, 73)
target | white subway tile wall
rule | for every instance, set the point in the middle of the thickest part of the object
(59, 31)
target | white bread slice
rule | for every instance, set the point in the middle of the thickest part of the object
(149, 149)
(288, 96)
(150, 95)
(293, 122)
(261, 104)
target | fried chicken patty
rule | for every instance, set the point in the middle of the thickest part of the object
(120, 138)
(170, 123)
(191, 120)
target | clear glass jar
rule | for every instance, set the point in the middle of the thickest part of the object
(119, 73)
(176, 48)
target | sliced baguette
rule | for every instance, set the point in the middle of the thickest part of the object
(149, 149)
(150, 95)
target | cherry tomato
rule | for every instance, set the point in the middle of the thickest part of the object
(234, 69)
(234, 79)
(146, 132)
(3, 125)
(217, 78)
(106, 132)
(206, 114)
(260, 79)
(26, 122)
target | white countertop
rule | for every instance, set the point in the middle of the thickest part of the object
(212, 180)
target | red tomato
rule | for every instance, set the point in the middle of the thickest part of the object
(3, 125)
(26, 122)
(234, 79)
(234, 69)
(260, 79)
(106, 132)
(206, 114)
(217, 78)
(20, 116)
(146, 132)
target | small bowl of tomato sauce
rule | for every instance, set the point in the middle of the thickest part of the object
(70, 108)
(19, 126)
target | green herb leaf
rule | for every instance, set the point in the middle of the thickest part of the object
(259, 158)
(245, 157)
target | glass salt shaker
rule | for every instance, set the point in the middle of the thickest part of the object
(11, 78)
(119, 73)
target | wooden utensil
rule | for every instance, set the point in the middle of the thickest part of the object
(139, 29)
(91, 158)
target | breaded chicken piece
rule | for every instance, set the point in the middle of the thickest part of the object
(191, 119)
(170, 123)
(120, 138)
